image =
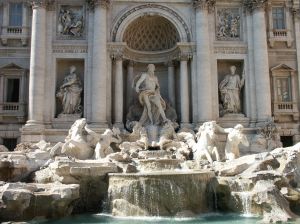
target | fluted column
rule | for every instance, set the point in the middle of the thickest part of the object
(184, 91)
(99, 64)
(204, 81)
(118, 90)
(130, 76)
(171, 82)
(261, 62)
(37, 63)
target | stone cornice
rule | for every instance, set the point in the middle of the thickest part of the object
(204, 4)
(252, 5)
(92, 4)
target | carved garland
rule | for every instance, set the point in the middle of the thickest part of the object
(251, 5)
(204, 4)
(154, 6)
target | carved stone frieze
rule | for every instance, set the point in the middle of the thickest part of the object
(251, 5)
(70, 22)
(228, 24)
(230, 50)
(71, 49)
(204, 4)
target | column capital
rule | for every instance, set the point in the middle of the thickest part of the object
(116, 50)
(252, 5)
(185, 51)
(92, 4)
(40, 3)
(296, 12)
(204, 4)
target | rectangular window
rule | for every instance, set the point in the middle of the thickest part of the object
(10, 143)
(278, 18)
(13, 90)
(15, 14)
(283, 90)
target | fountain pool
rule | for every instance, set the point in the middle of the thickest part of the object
(214, 218)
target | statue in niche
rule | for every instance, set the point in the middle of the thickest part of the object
(69, 93)
(148, 89)
(70, 22)
(234, 138)
(230, 89)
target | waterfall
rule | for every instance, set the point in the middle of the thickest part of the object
(246, 198)
(161, 194)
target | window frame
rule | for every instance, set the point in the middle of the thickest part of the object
(6, 78)
(12, 14)
(284, 25)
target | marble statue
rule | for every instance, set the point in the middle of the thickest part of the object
(268, 137)
(230, 89)
(147, 87)
(75, 144)
(103, 145)
(206, 146)
(137, 140)
(234, 138)
(70, 22)
(70, 93)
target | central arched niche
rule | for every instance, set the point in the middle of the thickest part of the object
(151, 33)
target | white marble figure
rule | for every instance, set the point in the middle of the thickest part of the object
(137, 140)
(230, 88)
(103, 145)
(206, 146)
(75, 144)
(70, 23)
(148, 89)
(70, 93)
(234, 138)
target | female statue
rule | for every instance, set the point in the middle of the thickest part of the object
(70, 93)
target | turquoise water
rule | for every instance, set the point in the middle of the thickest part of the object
(101, 218)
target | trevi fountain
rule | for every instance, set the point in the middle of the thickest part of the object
(153, 168)
(173, 111)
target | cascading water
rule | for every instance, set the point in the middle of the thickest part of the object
(246, 198)
(161, 193)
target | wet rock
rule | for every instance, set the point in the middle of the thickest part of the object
(3, 148)
(21, 201)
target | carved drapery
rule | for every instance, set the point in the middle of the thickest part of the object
(251, 5)
(204, 4)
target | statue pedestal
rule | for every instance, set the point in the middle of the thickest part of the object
(230, 120)
(65, 121)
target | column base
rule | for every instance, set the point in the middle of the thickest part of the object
(98, 126)
(33, 131)
(185, 125)
(119, 125)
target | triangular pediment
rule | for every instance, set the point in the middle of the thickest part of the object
(282, 67)
(11, 66)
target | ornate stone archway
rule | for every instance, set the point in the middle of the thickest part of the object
(151, 33)
(133, 13)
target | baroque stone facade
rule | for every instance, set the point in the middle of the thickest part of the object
(192, 43)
